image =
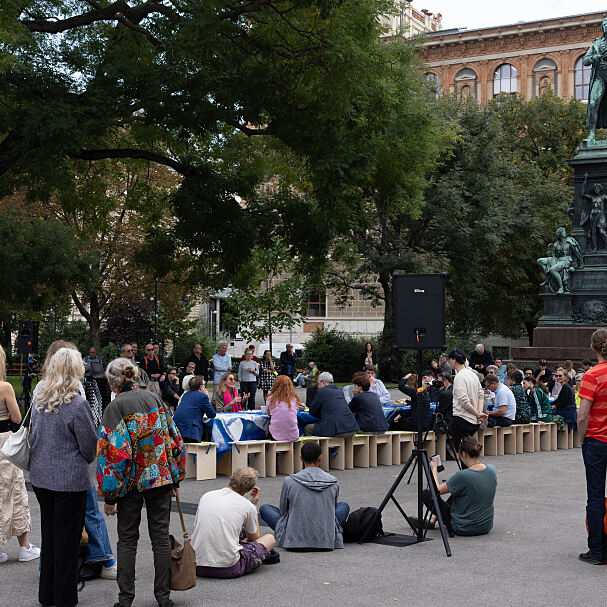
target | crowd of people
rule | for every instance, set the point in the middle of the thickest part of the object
(139, 449)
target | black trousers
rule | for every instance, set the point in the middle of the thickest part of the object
(459, 428)
(445, 506)
(158, 509)
(62, 521)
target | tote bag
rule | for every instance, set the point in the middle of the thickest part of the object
(16, 449)
(183, 559)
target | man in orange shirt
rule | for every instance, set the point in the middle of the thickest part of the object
(592, 428)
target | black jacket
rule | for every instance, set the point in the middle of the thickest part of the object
(202, 365)
(430, 395)
(334, 415)
(369, 413)
(485, 359)
(445, 402)
(363, 357)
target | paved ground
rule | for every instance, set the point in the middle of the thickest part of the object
(530, 557)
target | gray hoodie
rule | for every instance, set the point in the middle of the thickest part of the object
(307, 508)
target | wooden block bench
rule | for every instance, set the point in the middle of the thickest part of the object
(548, 436)
(357, 451)
(337, 452)
(201, 461)
(488, 439)
(563, 441)
(525, 438)
(279, 456)
(402, 445)
(244, 453)
(323, 441)
(506, 440)
(380, 450)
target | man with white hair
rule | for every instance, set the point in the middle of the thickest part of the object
(480, 359)
(330, 407)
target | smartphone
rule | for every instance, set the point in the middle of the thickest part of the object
(439, 464)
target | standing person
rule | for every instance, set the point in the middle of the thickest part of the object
(135, 353)
(408, 420)
(368, 357)
(468, 399)
(15, 520)
(151, 363)
(592, 429)
(93, 365)
(188, 369)
(250, 347)
(127, 352)
(194, 405)
(377, 385)
(200, 362)
(62, 446)
(283, 406)
(267, 373)
(288, 362)
(222, 363)
(140, 458)
(480, 358)
(226, 397)
(248, 372)
(157, 353)
(445, 367)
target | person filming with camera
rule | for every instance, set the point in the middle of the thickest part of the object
(469, 509)
(408, 421)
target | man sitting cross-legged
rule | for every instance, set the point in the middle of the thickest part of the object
(221, 517)
(309, 516)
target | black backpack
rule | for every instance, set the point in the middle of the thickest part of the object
(359, 521)
(87, 571)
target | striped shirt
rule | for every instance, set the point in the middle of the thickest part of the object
(594, 389)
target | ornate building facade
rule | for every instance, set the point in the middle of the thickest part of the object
(409, 21)
(525, 58)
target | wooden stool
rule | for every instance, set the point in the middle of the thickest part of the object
(441, 446)
(527, 444)
(488, 438)
(357, 451)
(562, 440)
(548, 436)
(380, 450)
(402, 446)
(337, 461)
(298, 444)
(506, 440)
(279, 454)
(201, 461)
(250, 453)
(518, 434)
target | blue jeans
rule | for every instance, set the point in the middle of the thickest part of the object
(98, 549)
(595, 462)
(499, 421)
(271, 514)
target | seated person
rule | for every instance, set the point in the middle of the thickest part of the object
(445, 397)
(543, 374)
(282, 407)
(220, 518)
(189, 369)
(538, 400)
(226, 398)
(330, 407)
(349, 389)
(310, 516)
(523, 413)
(193, 406)
(170, 388)
(366, 407)
(564, 405)
(307, 377)
(502, 413)
(469, 510)
(377, 385)
(501, 369)
(407, 420)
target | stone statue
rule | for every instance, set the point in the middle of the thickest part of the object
(597, 100)
(593, 218)
(564, 257)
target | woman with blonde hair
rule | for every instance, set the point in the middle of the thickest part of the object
(15, 518)
(283, 405)
(226, 397)
(63, 445)
(140, 459)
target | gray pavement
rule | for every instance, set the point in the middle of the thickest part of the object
(530, 557)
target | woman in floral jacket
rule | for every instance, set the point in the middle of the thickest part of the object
(140, 458)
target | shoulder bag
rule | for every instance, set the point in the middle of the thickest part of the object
(183, 558)
(16, 449)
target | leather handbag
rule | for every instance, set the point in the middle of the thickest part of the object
(183, 559)
(16, 449)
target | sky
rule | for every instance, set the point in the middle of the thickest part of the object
(486, 13)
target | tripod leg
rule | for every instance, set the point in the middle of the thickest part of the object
(435, 498)
(455, 456)
(390, 496)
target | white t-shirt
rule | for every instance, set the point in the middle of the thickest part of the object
(504, 397)
(220, 517)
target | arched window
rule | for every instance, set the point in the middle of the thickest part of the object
(582, 79)
(434, 83)
(544, 77)
(504, 79)
(465, 83)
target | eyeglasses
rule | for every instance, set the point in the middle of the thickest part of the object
(559, 375)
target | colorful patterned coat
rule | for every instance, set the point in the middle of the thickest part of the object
(138, 447)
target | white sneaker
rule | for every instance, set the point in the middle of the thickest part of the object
(29, 554)
(109, 573)
(3, 557)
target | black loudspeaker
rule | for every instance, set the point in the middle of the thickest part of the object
(419, 311)
(27, 337)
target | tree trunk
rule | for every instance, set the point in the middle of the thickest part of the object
(95, 324)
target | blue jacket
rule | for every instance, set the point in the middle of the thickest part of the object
(334, 415)
(188, 416)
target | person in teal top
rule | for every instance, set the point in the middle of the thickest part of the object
(469, 509)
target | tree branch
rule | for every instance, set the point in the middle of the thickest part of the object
(81, 307)
(181, 168)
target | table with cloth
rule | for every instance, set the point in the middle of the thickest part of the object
(228, 428)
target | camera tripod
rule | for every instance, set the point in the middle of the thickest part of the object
(419, 458)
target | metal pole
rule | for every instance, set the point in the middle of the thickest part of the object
(156, 309)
